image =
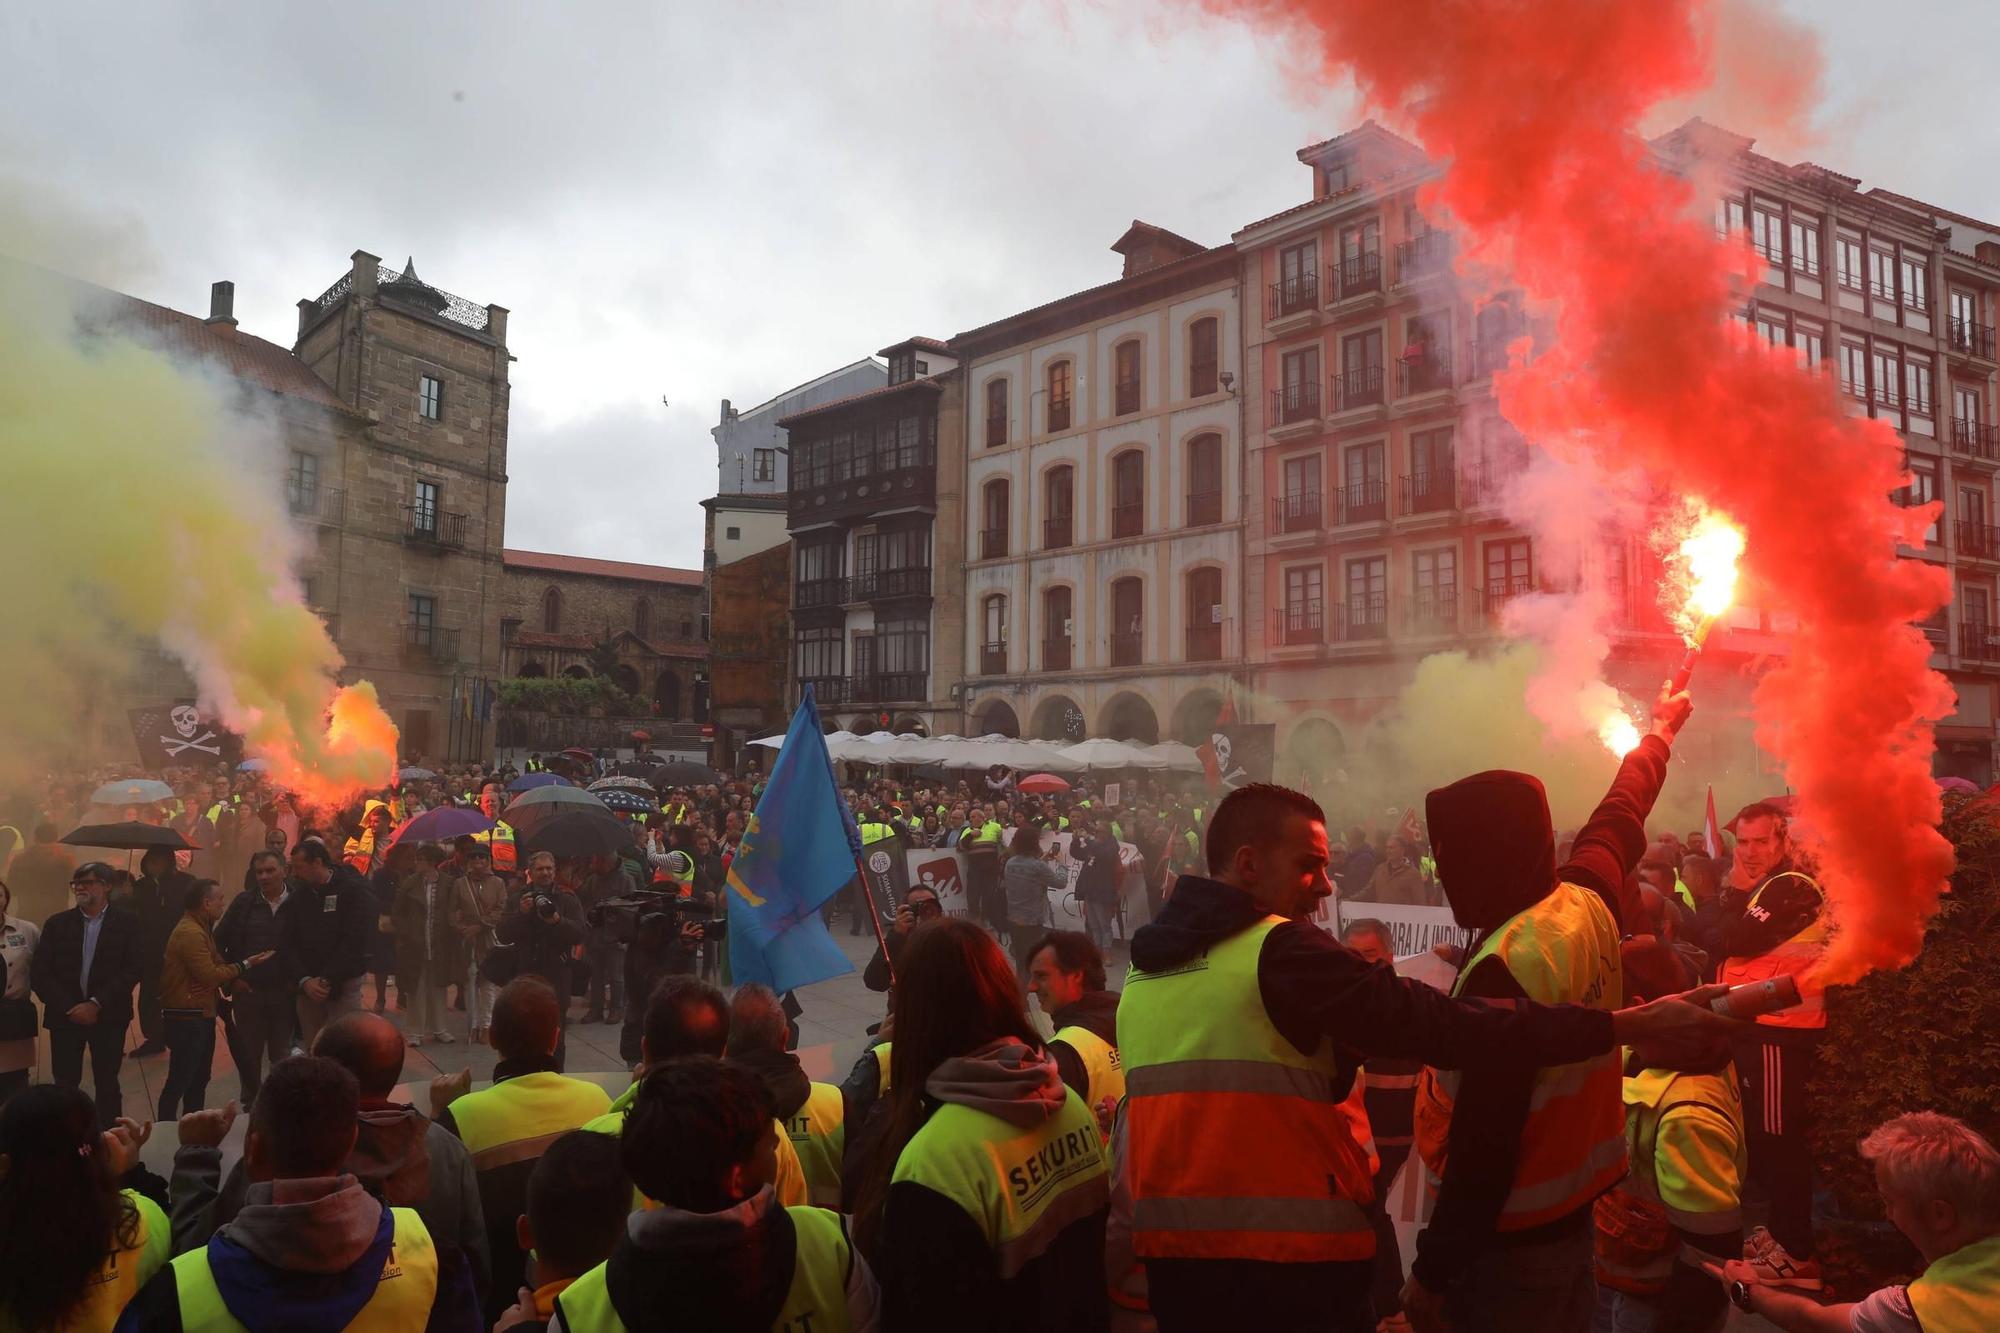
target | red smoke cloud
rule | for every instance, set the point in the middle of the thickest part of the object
(1536, 106)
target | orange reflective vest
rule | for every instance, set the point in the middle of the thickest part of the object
(1240, 1147)
(500, 840)
(1798, 958)
(1562, 950)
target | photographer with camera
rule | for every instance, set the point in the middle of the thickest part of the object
(545, 931)
(919, 905)
(663, 934)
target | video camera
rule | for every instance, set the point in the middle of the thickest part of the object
(650, 916)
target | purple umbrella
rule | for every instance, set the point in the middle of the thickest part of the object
(530, 781)
(440, 825)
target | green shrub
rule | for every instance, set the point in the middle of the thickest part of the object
(568, 697)
(1925, 1038)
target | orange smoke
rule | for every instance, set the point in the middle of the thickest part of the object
(1537, 108)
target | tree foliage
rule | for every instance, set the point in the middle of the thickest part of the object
(568, 697)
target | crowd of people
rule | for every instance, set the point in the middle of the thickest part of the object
(1019, 1145)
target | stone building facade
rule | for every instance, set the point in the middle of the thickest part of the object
(749, 645)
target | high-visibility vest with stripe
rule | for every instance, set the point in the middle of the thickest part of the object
(817, 1132)
(1389, 1091)
(988, 835)
(500, 841)
(1021, 1187)
(1100, 1063)
(873, 833)
(1562, 950)
(1960, 1293)
(402, 1300)
(1684, 1139)
(882, 1069)
(516, 1118)
(124, 1271)
(1239, 1147)
(1797, 958)
(816, 1301)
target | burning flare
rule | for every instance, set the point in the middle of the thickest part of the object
(1705, 566)
(1619, 733)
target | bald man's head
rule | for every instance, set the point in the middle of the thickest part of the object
(369, 1047)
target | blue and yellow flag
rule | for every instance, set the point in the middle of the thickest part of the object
(798, 850)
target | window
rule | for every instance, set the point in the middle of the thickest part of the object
(1964, 308)
(430, 397)
(1767, 233)
(1773, 330)
(1847, 268)
(1299, 506)
(1298, 400)
(993, 635)
(1434, 586)
(1059, 504)
(902, 656)
(1059, 388)
(1204, 499)
(1966, 406)
(1204, 614)
(821, 653)
(1730, 217)
(1916, 281)
(732, 533)
(423, 620)
(1360, 381)
(1305, 605)
(1336, 177)
(1809, 341)
(996, 413)
(1364, 492)
(1805, 245)
(993, 518)
(1974, 607)
(1854, 370)
(642, 618)
(902, 367)
(1922, 490)
(1125, 360)
(424, 512)
(1204, 356)
(1298, 279)
(923, 367)
(1508, 569)
(1127, 621)
(1057, 628)
(1128, 494)
(1882, 273)
(1360, 258)
(1888, 376)
(302, 482)
(1367, 597)
(1972, 507)
(552, 611)
(1433, 472)
(763, 465)
(1917, 387)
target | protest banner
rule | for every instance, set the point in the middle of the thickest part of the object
(1412, 930)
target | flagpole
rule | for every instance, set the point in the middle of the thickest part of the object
(809, 700)
(875, 919)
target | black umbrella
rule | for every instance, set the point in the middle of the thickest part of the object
(685, 774)
(628, 802)
(573, 831)
(129, 836)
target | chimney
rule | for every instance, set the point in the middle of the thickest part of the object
(222, 303)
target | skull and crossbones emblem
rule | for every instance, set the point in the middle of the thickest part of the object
(187, 722)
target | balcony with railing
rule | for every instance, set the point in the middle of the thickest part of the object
(1362, 620)
(1937, 629)
(1487, 355)
(1301, 623)
(1426, 373)
(439, 529)
(827, 689)
(1422, 256)
(883, 687)
(1128, 519)
(1496, 593)
(1432, 612)
(1058, 531)
(1428, 491)
(1295, 404)
(1976, 441)
(992, 543)
(992, 659)
(317, 504)
(1978, 642)
(1296, 511)
(879, 584)
(809, 593)
(1056, 654)
(1357, 388)
(1204, 508)
(423, 641)
(1977, 541)
(1204, 643)
(1357, 275)
(1295, 295)
(1128, 648)
(1966, 338)
(1363, 502)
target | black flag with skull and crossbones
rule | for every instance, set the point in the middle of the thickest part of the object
(177, 734)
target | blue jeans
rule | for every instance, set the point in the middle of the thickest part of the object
(190, 1053)
(1621, 1312)
(1097, 919)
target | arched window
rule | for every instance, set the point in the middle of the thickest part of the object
(1204, 614)
(1204, 480)
(642, 619)
(1125, 377)
(1057, 629)
(1204, 356)
(996, 412)
(993, 519)
(1059, 385)
(1059, 508)
(552, 611)
(1128, 621)
(1128, 494)
(993, 635)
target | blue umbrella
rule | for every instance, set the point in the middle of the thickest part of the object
(252, 766)
(530, 781)
(440, 825)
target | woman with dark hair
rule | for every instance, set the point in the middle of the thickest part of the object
(77, 1247)
(985, 1204)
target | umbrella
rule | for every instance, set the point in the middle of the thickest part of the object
(1041, 783)
(548, 798)
(530, 781)
(641, 737)
(627, 801)
(1958, 784)
(131, 791)
(622, 783)
(128, 836)
(252, 766)
(684, 774)
(413, 774)
(440, 825)
(776, 742)
(573, 831)
(1108, 754)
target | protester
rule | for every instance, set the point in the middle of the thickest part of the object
(311, 1248)
(18, 1021)
(400, 1156)
(262, 1014)
(1940, 1185)
(83, 971)
(506, 1126)
(603, 954)
(812, 1116)
(1389, 1096)
(578, 1199)
(1398, 879)
(384, 870)
(428, 954)
(545, 930)
(192, 975)
(325, 927)
(918, 906)
(479, 903)
(157, 897)
(74, 1247)
(977, 1110)
(1099, 880)
(1066, 977)
(1357, 867)
(1029, 875)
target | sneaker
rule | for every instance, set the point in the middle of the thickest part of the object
(443, 1037)
(1775, 1266)
(414, 1043)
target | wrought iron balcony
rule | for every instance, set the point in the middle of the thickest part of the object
(1421, 256)
(1486, 355)
(1204, 643)
(1977, 541)
(1058, 532)
(1357, 275)
(1129, 519)
(1364, 502)
(1363, 619)
(1301, 623)
(1978, 642)
(827, 689)
(1429, 491)
(320, 504)
(1969, 339)
(1296, 511)
(430, 642)
(884, 687)
(992, 659)
(1294, 403)
(1292, 296)
(809, 593)
(1203, 508)
(1498, 592)
(992, 543)
(1433, 612)
(1427, 373)
(1357, 388)
(875, 584)
(1056, 654)
(436, 528)
(1976, 440)
(1937, 628)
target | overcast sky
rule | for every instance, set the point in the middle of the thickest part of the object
(700, 201)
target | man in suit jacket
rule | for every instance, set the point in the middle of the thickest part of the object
(84, 973)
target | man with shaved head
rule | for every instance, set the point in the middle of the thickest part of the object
(400, 1155)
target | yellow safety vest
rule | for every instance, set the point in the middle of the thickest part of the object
(1100, 1062)
(1561, 950)
(1798, 958)
(499, 841)
(988, 835)
(118, 1279)
(873, 833)
(816, 1301)
(882, 1067)
(789, 1184)
(402, 1300)
(517, 1118)
(1960, 1293)
(1684, 1139)
(1021, 1187)
(818, 1135)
